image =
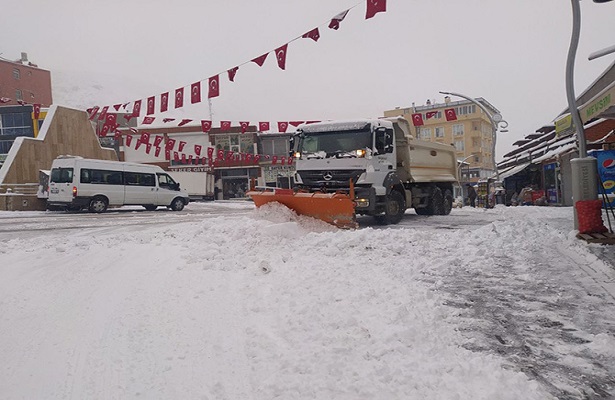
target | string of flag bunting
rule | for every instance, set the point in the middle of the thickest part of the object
(213, 83)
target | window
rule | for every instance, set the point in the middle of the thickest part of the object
(459, 145)
(62, 175)
(18, 94)
(439, 132)
(139, 179)
(464, 110)
(16, 73)
(17, 124)
(477, 159)
(100, 176)
(458, 130)
(165, 181)
(425, 133)
(276, 146)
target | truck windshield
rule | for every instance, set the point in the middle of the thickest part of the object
(334, 144)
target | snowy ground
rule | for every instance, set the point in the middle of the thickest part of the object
(222, 301)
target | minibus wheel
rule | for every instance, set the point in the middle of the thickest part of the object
(98, 205)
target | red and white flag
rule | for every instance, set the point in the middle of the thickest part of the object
(183, 158)
(290, 160)
(92, 111)
(37, 110)
(176, 156)
(214, 87)
(195, 92)
(263, 126)
(274, 160)
(260, 60)
(296, 123)
(314, 34)
(151, 105)
(128, 140)
(244, 126)
(181, 145)
(167, 154)
(210, 152)
(128, 117)
(136, 109)
(148, 120)
(220, 155)
(450, 114)
(157, 140)
(148, 148)
(165, 120)
(282, 160)
(231, 73)
(225, 126)
(6, 100)
(335, 21)
(417, 119)
(170, 144)
(179, 97)
(184, 122)
(282, 126)
(164, 102)
(280, 54)
(374, 7)
(197, 149)
(430, 114)
(103, 113)
(144, 137)
(205, 125)
(21, 102)
(117, 106)
(117, 136)
(229, 155)
(134, 130)
(110, 120)
(257, 158)
(157, 152)
(103, 131)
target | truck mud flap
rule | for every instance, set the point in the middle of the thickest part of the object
(334, 208)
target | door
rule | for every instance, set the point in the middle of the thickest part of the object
(61, 184)
(167, 189)
(140, 188)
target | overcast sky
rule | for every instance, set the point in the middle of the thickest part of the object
(512, 53)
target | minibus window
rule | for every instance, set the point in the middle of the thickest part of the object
(62, 175)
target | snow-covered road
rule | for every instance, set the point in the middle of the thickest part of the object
(226, 302)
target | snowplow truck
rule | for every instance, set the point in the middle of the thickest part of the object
(366, 167)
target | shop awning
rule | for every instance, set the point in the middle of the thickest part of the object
(512, 171)
(600, 106)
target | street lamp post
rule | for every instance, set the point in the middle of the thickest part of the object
(495, 119)
(584, 169)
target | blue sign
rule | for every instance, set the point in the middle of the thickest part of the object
(606, 171)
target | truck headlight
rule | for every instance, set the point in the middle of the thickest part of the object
(360, 153)
(361, 203)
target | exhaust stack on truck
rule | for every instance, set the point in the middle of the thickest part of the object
(376, 164)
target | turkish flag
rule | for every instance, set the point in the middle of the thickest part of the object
(165, 120)
(167, 154)
(128, 117)
(103, 113)
(117, 107)
(205, 125)
(110, 120)
(417, 119)
(197, 149)
(179, 97)
(296, 123)
(128, 140)
(136, 109)
(282, 126)
(263, 126)
(37, 110)
(148, 148)
(450, 114)
(313, 34)
(274, 160)
(214, 87)
(176, 156)
(290, 160)
(104, 130)
(430, 114)
(183, 158)
(157, 152)
(190, 158)
(133, 130)
(184, 122)
(220, 155)
(181, 145)
(164, 102)
(231, 73)
(170, 144)
(260, 60)
(225, 126)
(118, 135)
(151, 105)
(148, 120)
(92, 112)
(158, 140)
(229, 155)
(195, 92)
(244, 126)
(374, 7)
(144, 137)
(210, 152)
(248, 157)
(7, 100)
(257, 157)
(280, 54)
(335, 21)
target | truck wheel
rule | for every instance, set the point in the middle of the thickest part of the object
(393, 210)
(150, 207)
(177, 204)
(98, 205)
(436, 203)
(447, 202)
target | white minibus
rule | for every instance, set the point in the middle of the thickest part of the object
(76, 183)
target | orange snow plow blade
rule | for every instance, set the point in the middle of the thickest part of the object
(334, 208)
